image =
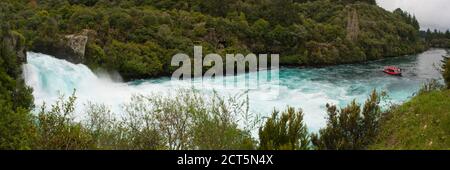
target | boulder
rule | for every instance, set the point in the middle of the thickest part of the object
(70, 47)
(76, 44)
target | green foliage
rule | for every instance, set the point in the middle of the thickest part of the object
(351, 127)
(187, 121)
(303, 32)
(410, 19)
(17, 130)
(436, 38)
(193, 121)
(422, 123)
(132, 132)
(120, 20)
(57, 129)
(133, 60)
(83, 18)
(217, 126)
(95, 55)
(16, 126)
(287, 132)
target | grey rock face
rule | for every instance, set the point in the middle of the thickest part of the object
(15, 42)
(70, 47)
(76, 43)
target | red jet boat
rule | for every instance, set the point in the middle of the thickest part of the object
(392, 70)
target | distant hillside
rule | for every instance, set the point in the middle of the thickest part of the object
(422, 123)
(138, 38)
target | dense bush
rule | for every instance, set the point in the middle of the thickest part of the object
(17, 130)
(350, 127)
(187, 121)
(285, 132)
(190, 120)
(132, 60)
(193, 121)
(56, 129)
(436, 38)
(307, 32)
(16, 126)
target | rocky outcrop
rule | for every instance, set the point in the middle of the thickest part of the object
(70, 47)
(15, 42)
(352, 25)
(77, 43)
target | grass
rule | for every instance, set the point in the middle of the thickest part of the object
(423, 123)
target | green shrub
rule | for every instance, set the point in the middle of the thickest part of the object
(57, 129)
(95, 56)
(17, 130)
(217, 126)
(188, 120)
(287, 132)
(133, 60)
(351, 127)
(193, 121)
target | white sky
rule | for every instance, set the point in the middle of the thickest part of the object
(433, 14)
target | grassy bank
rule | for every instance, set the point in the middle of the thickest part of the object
(421, 123)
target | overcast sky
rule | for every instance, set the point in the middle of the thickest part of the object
(433, 14)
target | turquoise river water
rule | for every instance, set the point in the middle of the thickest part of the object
(306, 88)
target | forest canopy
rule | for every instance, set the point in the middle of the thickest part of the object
(150, 32)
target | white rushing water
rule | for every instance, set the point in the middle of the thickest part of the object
(309, 89)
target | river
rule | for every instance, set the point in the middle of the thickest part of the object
(306, 88)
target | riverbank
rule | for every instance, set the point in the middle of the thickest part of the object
(422, 123)
(138, 39)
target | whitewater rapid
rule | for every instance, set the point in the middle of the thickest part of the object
(309, 89)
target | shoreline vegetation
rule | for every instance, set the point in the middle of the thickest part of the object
(193, 121)
(132, 37)
(138, 38)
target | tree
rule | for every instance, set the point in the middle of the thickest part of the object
(17, 130)
(287, 132)
(133, 60)
(415, 23)
(16, 127)
(120, 20)
(215, 7)
(58, 130)
(428, 35)
(84, 2)
(372, 2)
